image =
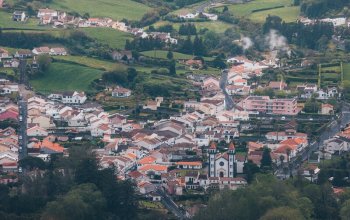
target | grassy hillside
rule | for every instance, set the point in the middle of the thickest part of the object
(346, 71)
(91, 62)
(116, 9)
(112, 37)
(66, 77)
(162, 54)
(216, 26)
(288, 13)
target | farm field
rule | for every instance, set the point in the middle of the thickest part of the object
(162, 55)
(112, 37)
(288, 13)
(91, 62)
(346, 71)
(330, 74)
(216, 26)
(104, 8)
(66, 77)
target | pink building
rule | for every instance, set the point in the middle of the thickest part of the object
(272, 106)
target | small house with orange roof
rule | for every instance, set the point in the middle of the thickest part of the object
(287, 151)
(191, 165)
(300, 143)
(146, 160)
(327, 109)
(153, 169)
(48, 147)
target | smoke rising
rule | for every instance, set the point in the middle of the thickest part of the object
(246, 42)
(275, 41)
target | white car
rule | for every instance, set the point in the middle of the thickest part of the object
(283, 118)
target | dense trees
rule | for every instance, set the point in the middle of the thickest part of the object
(267, 198)
(187, 29)
(309, 36)
(320, 8)
(82, 202)
(69, 188)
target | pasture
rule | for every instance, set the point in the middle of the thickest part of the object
(287, 11)
(216, 26)
(66, 77)
(112, 37)
(118, 10)
(162, 55)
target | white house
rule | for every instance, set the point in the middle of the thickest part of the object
(37, 131)
(121, 92)
(41, 50)
(69, 97)
(58, 51)
(19, 16)
(47, 12)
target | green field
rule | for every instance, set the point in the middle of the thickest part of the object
(66, 77)
(91, 62)
(162, 55)
(288, 13)
(216, 26)
(115, 9)
(346, 71)
(112, 37)
(330, 75)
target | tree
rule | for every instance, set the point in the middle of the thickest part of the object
(170, 55)
(225, 9)
(116, 76)
(198, 47)
(44, 62)
(82, 202)
(250, 169)
(312, 106)
(172, 68)
(32, 163)
(187, 46)
(266, 161)
(345, 210)
(283, 213)
(219, 63)
(132, 74)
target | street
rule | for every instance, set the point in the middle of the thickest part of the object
(170, 204)
(229, 104)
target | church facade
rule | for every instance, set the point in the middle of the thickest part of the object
(222, 164)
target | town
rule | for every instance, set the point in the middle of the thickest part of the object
(170, 114)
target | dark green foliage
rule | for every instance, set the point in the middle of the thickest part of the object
(314, 9)
(268, 198)
(70, 188)
(32, 163)
(187, 29)
(266, 160)
(170, 55)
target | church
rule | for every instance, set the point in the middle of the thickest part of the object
(222, 164)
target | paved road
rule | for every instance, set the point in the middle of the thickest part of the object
(22, 104)
(170, 204)
(229, 104)
(22, 134)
